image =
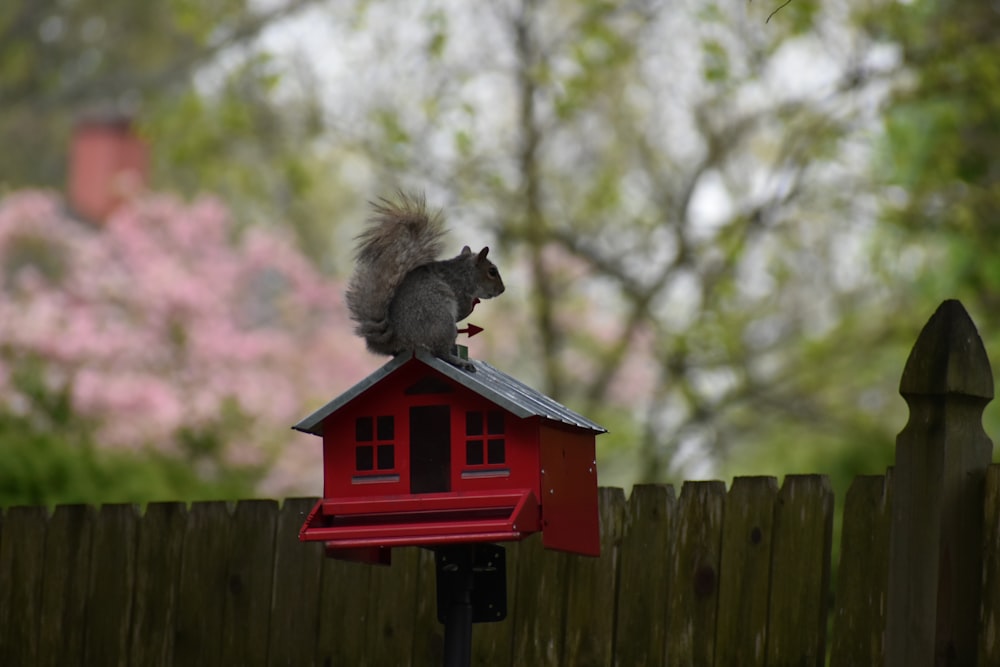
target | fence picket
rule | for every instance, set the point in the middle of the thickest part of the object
(695, 553)
(158, 560)
(937, 501)
(540, 605)
(248, 584)
(296, 589)
(201, 590)
(800, 572)
(344, 615)
(492, 642)
(745, 573)
(428, 633)
(22, 551)
(641, 629)
(64, 586)
(391, 600)
(989, 615)
(112, 578)
(859, 611)
(590, 605)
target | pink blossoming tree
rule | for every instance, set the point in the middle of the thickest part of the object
(166, 329)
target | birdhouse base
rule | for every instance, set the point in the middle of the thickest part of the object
(364, 529)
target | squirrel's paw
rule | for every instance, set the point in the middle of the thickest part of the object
(459, 362)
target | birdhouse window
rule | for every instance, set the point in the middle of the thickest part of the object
(484, 438)
(375, 447)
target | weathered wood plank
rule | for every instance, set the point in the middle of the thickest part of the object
(989, 634)
(540, 604)
(201, 591)
(694, 560)
(344, 613)
(428, 633)
(862, 580)
(22, 554)
(942, 453)
(745, 572)
(64, 588)
(250, 581)
(800, 572)
(391, 601)
(491, 642)
(641, 632)
(112, 577)
(592, 588)
(158, 566)
(295, 602)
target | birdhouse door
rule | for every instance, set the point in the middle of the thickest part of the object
(430, 449)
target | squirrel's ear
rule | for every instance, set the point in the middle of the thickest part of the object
(483, 253)
(466, 251)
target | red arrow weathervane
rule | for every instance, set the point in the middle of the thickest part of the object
(471, 329)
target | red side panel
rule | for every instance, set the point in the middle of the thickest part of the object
(570, 518)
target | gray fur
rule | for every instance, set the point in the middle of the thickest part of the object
(401, 297)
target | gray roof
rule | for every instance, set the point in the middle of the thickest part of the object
(490, 383)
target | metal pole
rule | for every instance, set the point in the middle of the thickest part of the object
(471, 588)
(457, 562)
(458, 622)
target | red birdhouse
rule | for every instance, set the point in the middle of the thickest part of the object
(423, 453)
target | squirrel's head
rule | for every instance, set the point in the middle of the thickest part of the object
(488, 281)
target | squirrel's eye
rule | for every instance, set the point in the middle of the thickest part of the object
(493, 272)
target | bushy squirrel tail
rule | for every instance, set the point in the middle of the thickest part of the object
(401, 236)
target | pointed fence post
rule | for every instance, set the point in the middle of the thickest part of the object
(935, 557)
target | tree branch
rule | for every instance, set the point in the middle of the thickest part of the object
(89, 89)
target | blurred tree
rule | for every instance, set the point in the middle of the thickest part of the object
(223, 117)
(941, 163)
(688, 214)
(49, 466)
(688, 199)
(162, 333)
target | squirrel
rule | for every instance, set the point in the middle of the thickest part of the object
(402, 297)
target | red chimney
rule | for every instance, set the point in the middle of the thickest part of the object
(107, 163)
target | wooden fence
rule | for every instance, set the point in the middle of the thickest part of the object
(709, 577)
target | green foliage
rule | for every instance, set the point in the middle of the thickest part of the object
(944, 130)
(437, 22)
(48, 468)
(62, 58)
(941, 156)
(716, 67)
(798, 15)
(221, 114)
(49, 457)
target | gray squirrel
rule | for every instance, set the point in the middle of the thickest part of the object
(402, 297)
